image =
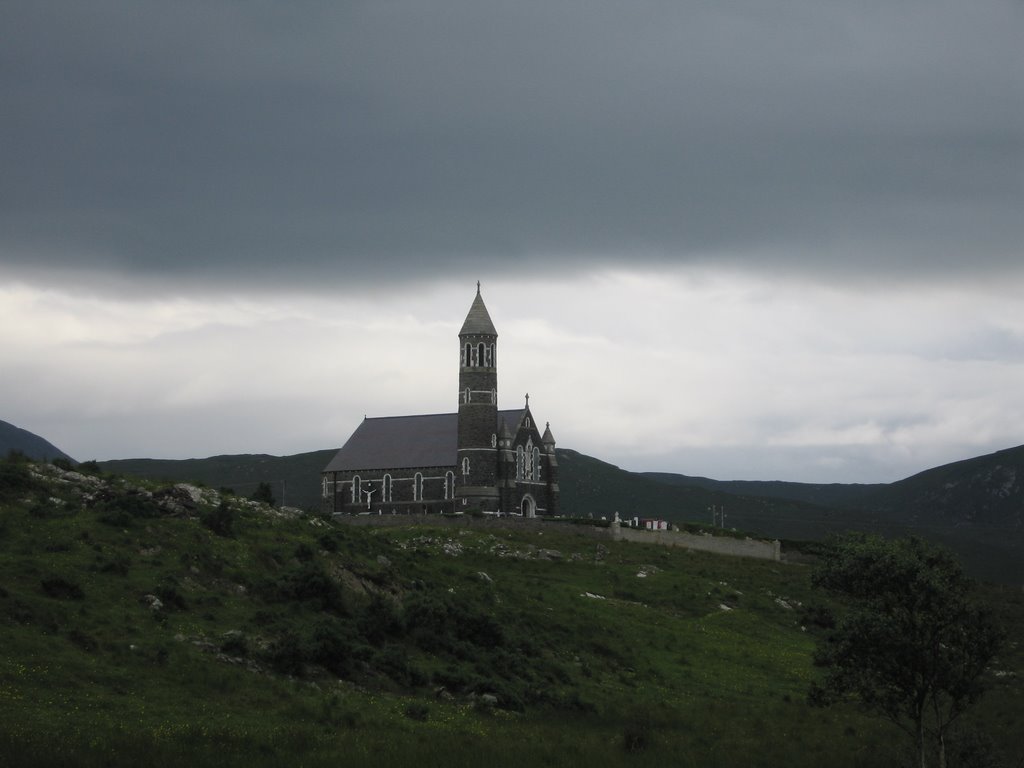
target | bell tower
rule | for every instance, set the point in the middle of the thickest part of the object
(477, 470)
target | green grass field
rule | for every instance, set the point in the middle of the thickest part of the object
(223, 634)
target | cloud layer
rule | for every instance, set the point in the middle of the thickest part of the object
(330, 143)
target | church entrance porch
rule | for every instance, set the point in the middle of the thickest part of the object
(528, 507)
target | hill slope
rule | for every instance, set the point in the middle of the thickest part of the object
(146, 623)
(973, 507)
(14, 438)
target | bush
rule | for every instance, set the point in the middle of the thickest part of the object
(116, 564)
(330, 646)
(123, 509)
(379, 620)
(286, 655)
(235, 644)
(393, 661)
(170, 596)
(636, 737)
(417, 710)
(219, 520)
(62, 589)
(308, 583)
(264, 493)
(15, 478)
(84, 641)
(439, 622)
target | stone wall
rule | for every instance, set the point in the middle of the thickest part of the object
(722, 545)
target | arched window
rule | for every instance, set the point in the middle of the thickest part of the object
(536, 463)
(529, 460)
(357, 489)
(519, 462)
(417, 487)
(494, 358)
(494, 444)
(465, 466)
(480, 353)
(494, 397)
(386, 489)
(449, 485)
(466, 355)
(467, 395)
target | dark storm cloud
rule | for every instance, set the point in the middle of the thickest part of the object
(320, 143)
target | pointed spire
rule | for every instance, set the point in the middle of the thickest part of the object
(478, 321)
(548, 438)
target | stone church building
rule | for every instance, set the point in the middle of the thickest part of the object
(478, 459)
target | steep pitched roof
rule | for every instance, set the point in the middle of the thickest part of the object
(478, 321)
(401, 442)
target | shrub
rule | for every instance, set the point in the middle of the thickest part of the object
(116, 564)
(62, 463)
(329, 647)
(417, 710)
(285, 654)
(219, 520)
(393, 661)
(123, 509)
(636, 737)
(235, 644)
(15, 478)
(264, 493)
(379, 619)
(308, 583)
(84, 641)
(170, 596)
(438, 622)
(62, 589)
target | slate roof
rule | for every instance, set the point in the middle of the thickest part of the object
(478, 321)
(398, 442)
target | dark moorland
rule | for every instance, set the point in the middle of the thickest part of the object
(143, 622)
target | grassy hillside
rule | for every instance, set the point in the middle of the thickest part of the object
(144, 623)
(973, 507)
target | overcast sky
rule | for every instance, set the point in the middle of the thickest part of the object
(775, 239)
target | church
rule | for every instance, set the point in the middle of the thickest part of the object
(479, 459)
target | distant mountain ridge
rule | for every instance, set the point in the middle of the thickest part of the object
(14, 438)
(983, 491)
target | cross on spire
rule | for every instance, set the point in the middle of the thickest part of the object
(527, 399)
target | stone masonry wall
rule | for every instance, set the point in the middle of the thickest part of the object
(722, 545)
